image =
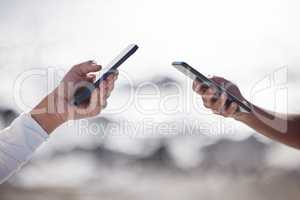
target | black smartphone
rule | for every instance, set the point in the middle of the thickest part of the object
(194, 74)
(85, 93)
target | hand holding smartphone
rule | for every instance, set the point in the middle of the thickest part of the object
(86, 92)
(194, 74)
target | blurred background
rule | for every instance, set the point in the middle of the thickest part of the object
(155, 140)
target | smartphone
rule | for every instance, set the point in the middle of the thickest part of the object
(84, 93)
(194, 74)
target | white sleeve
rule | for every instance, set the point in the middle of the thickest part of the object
(17, 144)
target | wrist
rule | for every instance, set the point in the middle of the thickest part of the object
(244, 116)
(47, 118)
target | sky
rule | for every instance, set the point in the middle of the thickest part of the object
(240, 40)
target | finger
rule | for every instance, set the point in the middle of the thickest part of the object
(223, 82)
(208, 97)
(196, 85)
(110, 78)
(103, 88)
(87, 67)
(110, 84)
(219, 80)
(231, 110)
(94, 107)
(199, 87)
(204, 87)
(104, 105)
(110, 88)
(90, 77)
(116, 74)
(115, 77)
(219, 105)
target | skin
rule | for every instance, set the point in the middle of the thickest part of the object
(283, 128)
(57, 107)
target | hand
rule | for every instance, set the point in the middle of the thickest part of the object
(58, 108)
(217, 102)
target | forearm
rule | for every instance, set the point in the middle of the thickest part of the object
(281, 127)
